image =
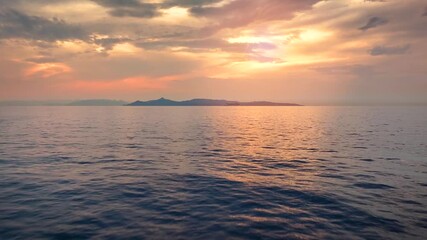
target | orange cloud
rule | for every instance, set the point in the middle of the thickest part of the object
(126, 84)
(45, 70)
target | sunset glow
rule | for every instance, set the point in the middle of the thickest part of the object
(249, 47)
(213, 119)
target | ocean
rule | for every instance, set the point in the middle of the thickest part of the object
(213, 172)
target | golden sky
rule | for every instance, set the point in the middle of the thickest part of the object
(304, 51)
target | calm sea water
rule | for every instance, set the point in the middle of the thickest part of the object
(213, 173)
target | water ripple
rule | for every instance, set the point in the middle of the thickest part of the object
(213, 173)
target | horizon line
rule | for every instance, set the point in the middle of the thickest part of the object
(68, 102)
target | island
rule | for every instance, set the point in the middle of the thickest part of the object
(206, 102)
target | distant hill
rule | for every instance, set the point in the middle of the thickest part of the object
(206, 102)
(33, 103)
(97, 102)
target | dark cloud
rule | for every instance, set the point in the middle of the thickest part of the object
(354, 69)
(252, 51)
(14, 24)
(373, 22)
(129, 8)
(188, 3)
(393, 50)
(108, 43)
(26, 2)
(425, 12)
(42, 60)
(207, 44)
(240, 13)
(194, 45)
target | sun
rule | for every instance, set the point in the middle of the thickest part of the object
(249, 39)
(314, 35)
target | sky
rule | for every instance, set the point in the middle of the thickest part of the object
(303, 51)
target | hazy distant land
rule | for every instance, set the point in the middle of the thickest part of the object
(206, 102)
(87, 102)
(157, 102)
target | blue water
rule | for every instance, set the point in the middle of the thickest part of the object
(213, 173)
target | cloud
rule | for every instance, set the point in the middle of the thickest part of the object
(425, 12)
(47, 70)
(207, 44)
(373, 22)
(42, 60)
(109, 42)
(113, 45)
(15, 24)
(149, 65)
(265, 59)
(393, 50)
(240, 13)
(129, 8)
(188, 3)
(354, 69)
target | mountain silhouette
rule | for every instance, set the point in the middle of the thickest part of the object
(206, 102)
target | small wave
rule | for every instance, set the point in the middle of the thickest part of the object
(367, 185)
(367, 159)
